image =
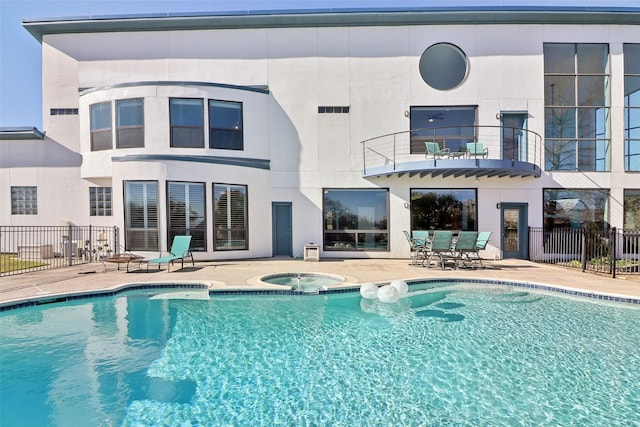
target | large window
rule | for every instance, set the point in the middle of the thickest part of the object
(100, 201)
(576, 97)
(356, 220)
(451, 127)
(187, 213)
(187, 122)
(632, 107)
(631, 210)
(130, 123)
(141, 215)
(101, 126)
(574, 209)
(443, 209)
(230, 217)
(225, 125)
(24, 200)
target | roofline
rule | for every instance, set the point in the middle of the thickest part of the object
(10, 133)
(334, 18)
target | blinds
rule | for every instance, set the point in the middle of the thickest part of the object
(187, 213)
(230, 216)
(141, 215)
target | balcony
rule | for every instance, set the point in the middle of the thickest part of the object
(502, 152)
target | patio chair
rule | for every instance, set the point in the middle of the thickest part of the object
(481, 244)
(476, 149)
(179, 250)
(433, 151)
(421, 237)
(465, 245)
(440, 247)
(417, 247)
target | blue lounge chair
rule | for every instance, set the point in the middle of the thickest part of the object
(476, 149)
(465, 245)
(440, 247)
(433, 151)
(481, 244)
(179, 250)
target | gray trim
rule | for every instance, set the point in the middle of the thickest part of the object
(264, 89)
(13, 133)
(335, 18)
(231, 161)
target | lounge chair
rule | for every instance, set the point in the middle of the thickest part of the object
(440, 247)
(476, 149)
(465, 245)
(179, 250)
(433, 151)
(417, 248)
(481, 244)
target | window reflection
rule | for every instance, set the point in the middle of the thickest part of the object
(443, 209)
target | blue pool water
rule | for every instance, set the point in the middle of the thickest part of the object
(449, 355)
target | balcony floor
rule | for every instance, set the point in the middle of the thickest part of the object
(457, 168)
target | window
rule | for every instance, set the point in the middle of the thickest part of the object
(575, 209)
(141, 215)
(632, 107)
(101, 126)
(443, 209)
(24, 200)
(230, 217)
(443, 66)
(631, 210)
(187, 213)
(333, 110)
(187, 122)
(576, 82)
(130, 123)
(451, 127)
(225, 125)
(64, 111)
(356, 220)
(100, 201)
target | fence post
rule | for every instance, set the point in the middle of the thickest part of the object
(583, 250)
(70, 243)
(612, 251)
(116, 249)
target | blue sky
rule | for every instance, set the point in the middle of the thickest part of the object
(20, 53)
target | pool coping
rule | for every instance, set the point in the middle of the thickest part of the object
(345, 287)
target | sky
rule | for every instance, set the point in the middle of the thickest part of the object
(20, 53)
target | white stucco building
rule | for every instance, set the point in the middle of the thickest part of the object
(258, 133)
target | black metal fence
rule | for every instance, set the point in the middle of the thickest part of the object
(611, 252)
(32, 248)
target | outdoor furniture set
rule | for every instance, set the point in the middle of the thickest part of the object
(443, 247)
(474, 150)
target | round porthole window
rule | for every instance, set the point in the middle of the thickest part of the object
(443, 66)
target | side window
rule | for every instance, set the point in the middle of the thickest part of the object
(225, 125)
(141, 215)
(130, 123)
(24, 200)
(187, 122)
(230, 217)
(101, 138)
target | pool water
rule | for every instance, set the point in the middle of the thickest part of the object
(304, 282)
(449, 355)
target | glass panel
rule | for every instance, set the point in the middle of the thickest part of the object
(560, 154)
(632, 91)
(559, 58)
(130, 112)
(451, 127)
(24, 200)
(443, 209)
(560, 122)
(575, 208)
(632, 155)
(560, 90)
(351, 218)
(225, 122)
(510, 227)
(593, 58)
(592, 90)
(187, 122)
(632, 209)
(632, 58)
(101, 116)
(141, 215)
(443, 66)
(592, 122)
(187, 213)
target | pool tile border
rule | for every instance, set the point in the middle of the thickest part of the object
(49, 299)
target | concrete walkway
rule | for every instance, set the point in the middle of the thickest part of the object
(245, 274)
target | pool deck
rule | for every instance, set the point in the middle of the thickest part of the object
(245, 274)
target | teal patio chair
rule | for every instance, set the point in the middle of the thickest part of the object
(476, 149)
(417, 248)
(465, 245)
(433, 151)
(481, 244)
(440, 247)
(179, 251)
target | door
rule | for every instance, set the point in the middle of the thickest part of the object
(281, 229)
(514, 236)
(514, 143)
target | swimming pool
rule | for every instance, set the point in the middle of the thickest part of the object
(451, 354)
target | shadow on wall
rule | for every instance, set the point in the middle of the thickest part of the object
(37, 153)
